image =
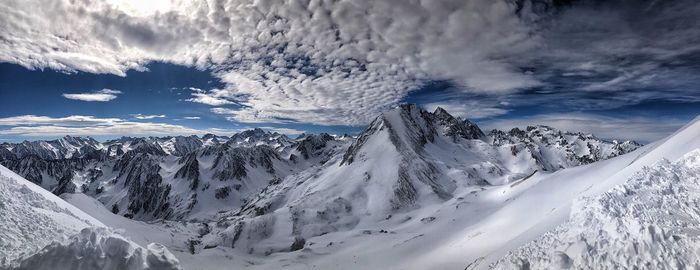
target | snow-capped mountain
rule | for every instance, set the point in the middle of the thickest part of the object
(405, 160)
(168, 177)
(415, 190)
(64, 148)
(412, 154)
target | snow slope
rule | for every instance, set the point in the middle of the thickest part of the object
(32, 217)
(41, 231)
(548, 202)
(99, 248)
(651, 221)
(405, 196)
(474, 228)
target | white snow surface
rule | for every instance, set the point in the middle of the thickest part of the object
(475, 228)
(32, 217)
(652, 221)
(99, 248)
(42, 231)
(347, 219)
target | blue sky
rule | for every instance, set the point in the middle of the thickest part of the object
(113, 68)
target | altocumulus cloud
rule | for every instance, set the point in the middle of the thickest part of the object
(101, 95)
(341, 62)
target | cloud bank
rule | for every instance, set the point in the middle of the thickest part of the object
(77, 125)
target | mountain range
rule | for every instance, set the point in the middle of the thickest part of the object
(416, 184)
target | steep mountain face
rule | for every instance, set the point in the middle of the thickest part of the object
(404, 160)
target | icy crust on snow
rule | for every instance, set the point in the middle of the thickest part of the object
(652, 221)
(31, 218)
(98, 248)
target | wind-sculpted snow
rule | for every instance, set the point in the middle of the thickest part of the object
(98, 248)
(41, 231)
(31, 217)
(649, 222)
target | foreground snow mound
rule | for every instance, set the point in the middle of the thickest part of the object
(98, 248)
(31, 217)
(652, 221)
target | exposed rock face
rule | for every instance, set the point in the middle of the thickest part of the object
(554, 149)
(147, 192)
(190, 169)
(457, 127)
(179, 145)
(51, 174)
(230, 162)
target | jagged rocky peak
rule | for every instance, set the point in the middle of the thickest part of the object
(79, 141)
(145, 146)
(178, 145)
(457, 127)
(311, 145)
(251, 134)
(411, 127)
(211, 139)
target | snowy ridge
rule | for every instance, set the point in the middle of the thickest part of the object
(652, 220)
(32, 217)
(98, 248)
(41, 231)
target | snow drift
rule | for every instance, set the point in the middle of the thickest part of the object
(41, 231)
(651, 221)
(98, 248)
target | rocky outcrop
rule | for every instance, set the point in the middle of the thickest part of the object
(189, 170)
(553, 149)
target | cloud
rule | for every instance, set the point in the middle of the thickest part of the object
(342, 62)
(72, 121)
(214, 97)
(191, 118)
(147, 116)
(103, 95)
(31, 125)
(641, 129)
